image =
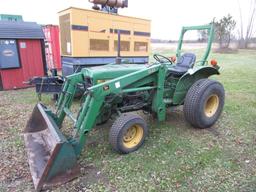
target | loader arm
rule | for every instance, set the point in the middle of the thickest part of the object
(66, 96)
(52, 156)
(96, 95)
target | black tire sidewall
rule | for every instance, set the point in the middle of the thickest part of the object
(212, 89)
(123, 130)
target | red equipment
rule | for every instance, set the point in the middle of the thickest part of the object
(52, 46)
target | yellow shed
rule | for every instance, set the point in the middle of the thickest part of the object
(90, 37)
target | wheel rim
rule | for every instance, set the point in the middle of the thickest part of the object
(133, 136)
(211, 105)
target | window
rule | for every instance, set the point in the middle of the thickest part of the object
(9, 56)
(99, 45)
(125, 45)
(141, 46)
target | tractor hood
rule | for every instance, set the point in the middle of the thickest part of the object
(111, 71)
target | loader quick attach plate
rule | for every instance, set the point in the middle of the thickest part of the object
(51, 157)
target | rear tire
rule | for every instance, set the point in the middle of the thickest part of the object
(204, 103)
(128, 133)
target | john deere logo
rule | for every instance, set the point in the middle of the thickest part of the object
(8, 53)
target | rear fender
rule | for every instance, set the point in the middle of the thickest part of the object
(188, 79)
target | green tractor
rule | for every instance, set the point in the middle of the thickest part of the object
(116, 91)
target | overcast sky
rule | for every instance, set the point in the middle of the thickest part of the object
(167, 15)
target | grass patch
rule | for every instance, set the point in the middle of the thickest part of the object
(175, 156)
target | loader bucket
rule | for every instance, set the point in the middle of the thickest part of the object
(51, 157)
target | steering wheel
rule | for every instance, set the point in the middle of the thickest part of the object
(161, 58)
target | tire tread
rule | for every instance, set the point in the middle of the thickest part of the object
(118, 126)
(192, 100)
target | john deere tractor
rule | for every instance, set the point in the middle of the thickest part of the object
(115, 91)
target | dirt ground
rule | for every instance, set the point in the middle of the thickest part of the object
(175, 156)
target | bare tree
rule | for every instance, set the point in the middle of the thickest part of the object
(244, 39)
(202, 35)
(223, 30)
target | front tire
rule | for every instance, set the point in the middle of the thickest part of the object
(204, 103)
(128, 133)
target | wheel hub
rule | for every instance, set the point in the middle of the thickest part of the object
(133, 136)
(211, 105)
(130, 134)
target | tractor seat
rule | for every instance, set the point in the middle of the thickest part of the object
(184, 63)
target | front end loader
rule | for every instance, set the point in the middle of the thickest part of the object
(116, 91)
